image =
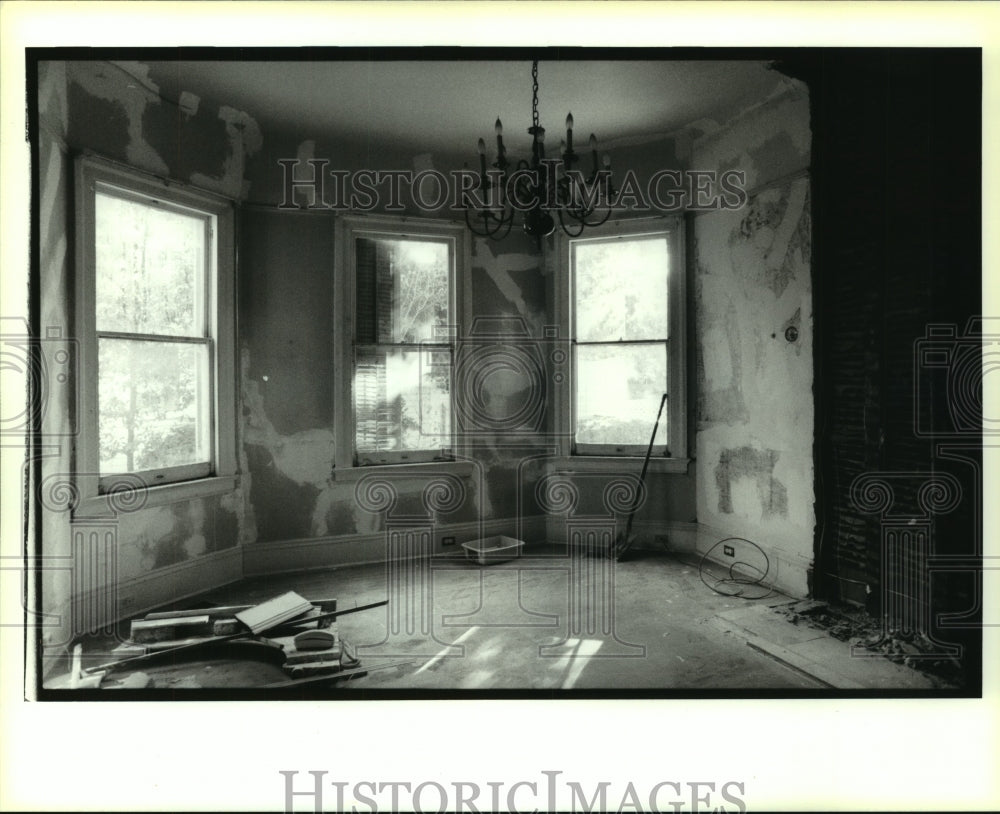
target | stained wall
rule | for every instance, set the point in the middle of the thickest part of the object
(753, 374)
(750, 389)
(113, 564)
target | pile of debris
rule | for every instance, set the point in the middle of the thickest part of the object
(300, 633)
(865, 632)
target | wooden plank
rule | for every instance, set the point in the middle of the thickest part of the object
(274, 612)
(807, 667)
(293, 657)
(145, 631)
(312, 668)
(360, 671)
(325, 605)
(295, 626)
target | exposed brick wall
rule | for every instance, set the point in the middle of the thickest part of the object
(895, 248)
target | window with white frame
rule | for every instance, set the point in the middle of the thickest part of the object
(402, 287)
(626, 308)
(155, 315)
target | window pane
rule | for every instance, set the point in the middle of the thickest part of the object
(150, 268)
(621, 290)
(154, 404)
(402, 290)
(401, 399)
(619, 388)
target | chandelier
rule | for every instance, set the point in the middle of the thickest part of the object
(539, 187)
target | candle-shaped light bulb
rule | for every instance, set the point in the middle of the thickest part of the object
(498, 129)
(481, 147)
(569, 132)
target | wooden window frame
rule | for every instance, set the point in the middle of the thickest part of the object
(93, 174)
(594, 456)
(349, 228)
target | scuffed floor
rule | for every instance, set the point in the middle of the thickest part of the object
(550, 622)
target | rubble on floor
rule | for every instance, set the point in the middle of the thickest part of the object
(861, 630)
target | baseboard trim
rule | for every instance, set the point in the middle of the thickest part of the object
(788, 571)
(679, 535)
(107, 605)
(319, 553)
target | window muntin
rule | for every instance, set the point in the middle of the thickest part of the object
(403, 354)
(621, 314)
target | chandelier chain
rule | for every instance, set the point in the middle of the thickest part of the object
(534, 93)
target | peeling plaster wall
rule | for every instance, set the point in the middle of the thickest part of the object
(506, 333)
(115, 110)
(753, 385)
(286, 340)
(55, 261)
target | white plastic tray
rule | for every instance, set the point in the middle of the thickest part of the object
(492, 550)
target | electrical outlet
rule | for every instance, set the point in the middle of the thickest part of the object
(447, 541)
(729, 551)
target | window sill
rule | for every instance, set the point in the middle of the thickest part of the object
(462, 469)
(112, 505)
(619, 464)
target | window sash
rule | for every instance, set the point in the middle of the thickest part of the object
(661, 445)
(211, 329)
(205, 293)
(671, 438)
(368, 456)
(203, 305)
(205, 400)
(367, 326)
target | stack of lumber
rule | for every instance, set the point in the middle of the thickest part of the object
(302, 631)
(165, 630)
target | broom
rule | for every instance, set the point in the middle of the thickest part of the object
(624, 541)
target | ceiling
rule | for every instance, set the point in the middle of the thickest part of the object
(432, 106)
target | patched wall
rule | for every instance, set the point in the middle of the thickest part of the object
(286, 338)
(749, 286)
(754, 360)
(114, 110)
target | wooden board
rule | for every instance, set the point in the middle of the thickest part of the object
(274, 612)
(229, 611)
(144, 631)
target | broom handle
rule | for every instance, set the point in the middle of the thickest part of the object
(652, 438)
(645, 466)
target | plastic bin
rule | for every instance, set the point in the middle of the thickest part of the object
(492, 550)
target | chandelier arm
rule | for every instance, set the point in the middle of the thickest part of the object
(566, 229)
(486, 230)
(607, 214)
(492, 225)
